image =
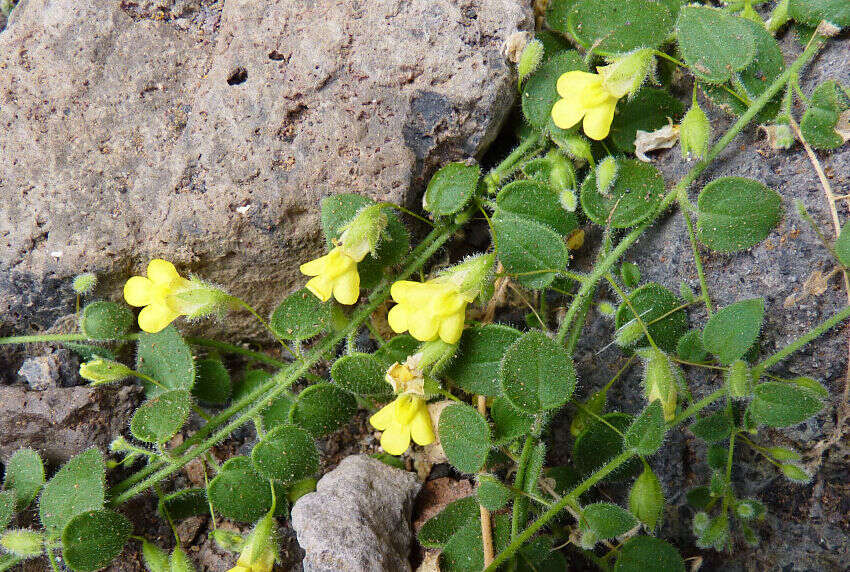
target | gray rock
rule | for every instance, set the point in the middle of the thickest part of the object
(55, 369)
(207, 132)
(358, 518)
(61, 423)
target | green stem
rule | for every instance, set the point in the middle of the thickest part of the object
(697, 260)
(256, 401)
(603, 267)
(36, 338)
(698, 406)
(234, 349)
(507, 166)
(520, 509)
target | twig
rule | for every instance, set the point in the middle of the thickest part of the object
(486, 523)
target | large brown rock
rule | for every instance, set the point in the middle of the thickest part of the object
(207, 132)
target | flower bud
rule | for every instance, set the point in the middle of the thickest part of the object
(588, 539)
(154, 557)
(99, 371)
(363, 233)
(260, 550)
(562, 174)
(470, 276)
(629, 333)
(625, 74)
(738, 380)
(200, 299)
(694, 133)
(23, 542)
(226, 540)
(119, 445)
(779, 135)
(701, 522)
(84, 283)
(606, 175)
(606, 308)
(180, 561)
(575, 146)
(646, 499)
(660, 381)
(530, 59)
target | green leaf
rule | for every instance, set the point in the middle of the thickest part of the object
(165, 357)
(7, 508)
(645, 553)
(508, 421)
(699, 497)
(540, 91)
(731, 331)
(608, 520)
(646, 499)
(818, 124)
(630, 273)
(275, 413)
(183, 503)
(811, 12)
(76, 488)
(633, 198)
(437, 530)
(599, 443)
(736, 213)
(212, 382)
(557, 13)
(813, 385)
(92, 539)
(767, 65)
(240, 493)
(713, 43)
(451, 188)
(479, 357)
(159, 418)
(690, 347)
(842, 245)
(532, 251)
(535, 201)
(362, 374)
(648, 110)
(652, 301)
(646, 433)
(465, 437)
(614, 26)
(106, 320)
(322, 408)
(537, 373)
(795, 473)
(396, 350)
(300, 316)
(779, 404)
(713, 428)
(491, 493)
(24, 475)
(286, 454)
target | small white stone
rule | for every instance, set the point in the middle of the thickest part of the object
(57, 254)
(243, 209)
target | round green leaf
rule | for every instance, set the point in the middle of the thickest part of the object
(322, 409)
(300, 316)
(599, 443)
(713, 43)
(183, 503)
(491, 493)
(540, 91)
(465, 437)
(165, 357)
(731, 331)
(77, 487)
(779, 404)
(212, 382)
(8, 500)
(842, 245)
(644, 553)
(396, 350)
(812, 12)
(535, 201)
(439, 529)
(818, 124)
(652, 301)
(92, 539)
(557, 14)
(608, 520)
(646, 433)
(537, 373)
(736, 213)
(362, 374)
(634, 197)
(24, 475)
(240, 493)
(451, 188)
(713, 428)
(509, 423)
(106, 320)
(532, 251)
(614, 26)
(159, 418)
(690, 347)
(286, 454)
(476, 366)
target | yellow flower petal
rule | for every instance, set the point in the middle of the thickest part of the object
(347, 288)
(576, 81)
(156, 317)
(396, 439)
(451, 327)
(162, 272)
(382, 419)
(139, 291)
(565, 113)
(321, 287)
(398, 318)
(597, 121)
(402, 290)
(423, 326)
(314, 267)
(420, 428)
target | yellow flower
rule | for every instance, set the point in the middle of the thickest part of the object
(335, 274)
(156, 294)
(585, 97)
(407, 377)
(260, 551)
(405, 418)
(429, 310)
